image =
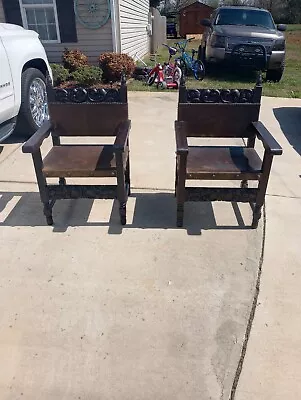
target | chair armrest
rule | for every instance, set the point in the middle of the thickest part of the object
(181, 137)
(269, 143)
(34, 143)
(122, 134)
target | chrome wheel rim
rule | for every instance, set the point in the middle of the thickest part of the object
(38, 101)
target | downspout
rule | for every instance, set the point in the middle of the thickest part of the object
(115, 22)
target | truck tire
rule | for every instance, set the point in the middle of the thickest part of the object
(34, 109)
(274, 75)
(202, 54)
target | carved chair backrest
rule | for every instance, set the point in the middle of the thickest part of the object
(219, 113)
(87, 112)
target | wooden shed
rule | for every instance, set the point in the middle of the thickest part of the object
(191, 14)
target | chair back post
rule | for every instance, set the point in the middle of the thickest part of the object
(182, 90)
(258, 88)
(123, 89)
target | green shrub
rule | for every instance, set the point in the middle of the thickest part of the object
(74, 59)
(87, 76)
(114, 64)
(60, 74)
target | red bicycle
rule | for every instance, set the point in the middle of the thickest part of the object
(156, 75)
(168, 76)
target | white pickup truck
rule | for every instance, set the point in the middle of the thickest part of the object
(23, 72)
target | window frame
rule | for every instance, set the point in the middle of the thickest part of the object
(23, 8)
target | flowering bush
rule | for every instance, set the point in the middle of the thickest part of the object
(114, 65)
(74, 59)
(87, 76)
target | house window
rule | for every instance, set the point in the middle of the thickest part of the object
(41, 16)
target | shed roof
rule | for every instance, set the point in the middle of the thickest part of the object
(190, 2)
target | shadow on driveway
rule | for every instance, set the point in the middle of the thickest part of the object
(289, 119)
(151, 211)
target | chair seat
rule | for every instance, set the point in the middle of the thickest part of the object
(81, 161)
(223, 163)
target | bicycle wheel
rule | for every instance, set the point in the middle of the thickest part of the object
(199, 70)
(151, 79)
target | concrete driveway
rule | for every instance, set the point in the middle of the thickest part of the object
(89, 310)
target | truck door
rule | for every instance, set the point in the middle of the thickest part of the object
(7, 98)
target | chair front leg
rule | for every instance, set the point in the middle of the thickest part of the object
(176, 177)
(128, 171)
(180, 187)
(42, 184)
(121, 187)
(262, 187)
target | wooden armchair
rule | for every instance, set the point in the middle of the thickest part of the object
(83, 113)
(210, 113)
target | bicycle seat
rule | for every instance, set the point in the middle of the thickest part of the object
(172, 51)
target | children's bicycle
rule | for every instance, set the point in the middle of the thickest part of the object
(167, 76)
(188, 63)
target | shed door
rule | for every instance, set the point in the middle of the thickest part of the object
(192, 22)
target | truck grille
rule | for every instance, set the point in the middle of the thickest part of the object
(267, 43)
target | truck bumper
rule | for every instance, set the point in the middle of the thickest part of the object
(275, 60)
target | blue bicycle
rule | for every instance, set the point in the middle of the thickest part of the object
(188, 63)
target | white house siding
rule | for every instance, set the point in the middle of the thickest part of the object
(2, 18)
(134, 19)
(92, 42)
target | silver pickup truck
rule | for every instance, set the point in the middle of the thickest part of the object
(246, 36)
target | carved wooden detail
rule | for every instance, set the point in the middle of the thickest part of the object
(86, 95)
(220, 96)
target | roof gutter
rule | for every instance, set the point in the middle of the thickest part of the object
(115, 21)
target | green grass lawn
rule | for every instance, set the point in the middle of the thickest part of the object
(220, 77)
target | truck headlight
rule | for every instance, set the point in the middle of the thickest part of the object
(279, 45)
(218, 41)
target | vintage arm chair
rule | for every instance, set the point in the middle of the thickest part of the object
(83, 112)
(211, 113)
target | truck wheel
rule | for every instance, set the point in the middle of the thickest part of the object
(34, 107)
(274, 75)
(202, 54)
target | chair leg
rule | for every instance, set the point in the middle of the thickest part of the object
(180, 215)
(48, 213)
(62, 181)
(128, 176)
(121, 188)
(244, 184)
(38, 164)
(180, 188)
(122, 213)
(176, 183)
(256, 216)
(262, 187)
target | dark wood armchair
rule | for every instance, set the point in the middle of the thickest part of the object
(210, 113)
(77, 113)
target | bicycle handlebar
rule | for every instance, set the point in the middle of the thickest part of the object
(183, 43)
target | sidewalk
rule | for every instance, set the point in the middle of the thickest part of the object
(271, 369)
(89, 310)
